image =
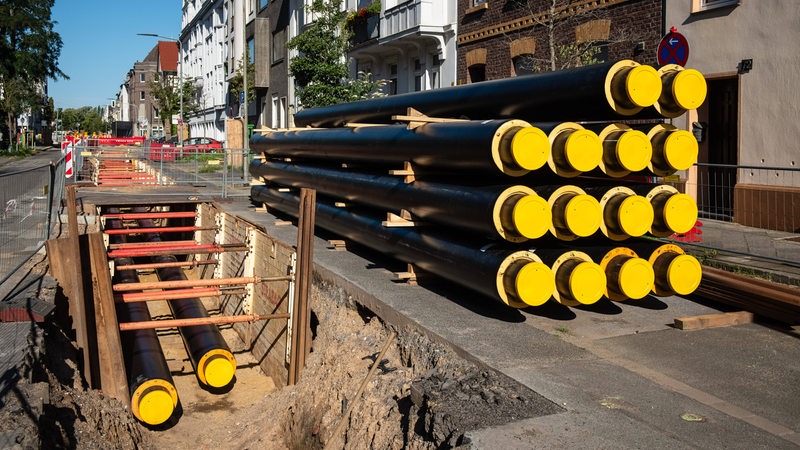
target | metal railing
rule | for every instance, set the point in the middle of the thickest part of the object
(750, 211)
(31, 201)
(217, 170)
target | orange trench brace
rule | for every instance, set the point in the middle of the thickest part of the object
(215, 320)
(195, 263)
(206, 248)
(157, 230)
(194, 283)
(152, 215)
(174, 294)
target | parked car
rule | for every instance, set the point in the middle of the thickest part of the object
(201, 145)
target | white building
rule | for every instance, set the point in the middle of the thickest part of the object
(202, 61)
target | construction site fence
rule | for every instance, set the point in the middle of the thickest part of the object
(31, 202)
(217, 171)
(759, 197)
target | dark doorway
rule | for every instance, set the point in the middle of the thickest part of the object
(718, 119)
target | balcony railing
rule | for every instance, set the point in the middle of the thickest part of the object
(414, 14)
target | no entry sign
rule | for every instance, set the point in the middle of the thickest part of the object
(673, 49)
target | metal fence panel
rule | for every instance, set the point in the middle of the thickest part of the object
(30, 200)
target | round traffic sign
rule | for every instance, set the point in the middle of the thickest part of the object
(673, 49)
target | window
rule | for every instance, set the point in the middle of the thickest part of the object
(477, 73)
(705, 5)
(524, 64)
(141, 95)
(392, 79)
(275, 106)
(418, 68)
(478, 2)
(251, 50)
(263, 4)
(279, 45)
(142, 77)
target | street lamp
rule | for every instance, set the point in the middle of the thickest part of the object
(180, 77)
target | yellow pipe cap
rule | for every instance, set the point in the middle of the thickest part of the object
(684, 274)
(634, 150)
(689, 89)
(643, 86)
(583, 150)
(530, 148)
(218, 370)
(532, 216)
(680, 213)
(680, 150)
(154, 401)
(635, 215)
(635, 278)
(583, 215)
(535, 283)
(587, 283)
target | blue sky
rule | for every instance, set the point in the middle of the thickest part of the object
(101, 45)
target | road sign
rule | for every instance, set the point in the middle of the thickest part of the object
(673, 49)
(241, 97)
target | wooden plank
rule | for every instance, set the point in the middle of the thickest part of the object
(77, 303)
(60, 260)
(301, 316)
(113, 381)
(713, 320)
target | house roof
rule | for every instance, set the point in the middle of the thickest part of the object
(168, 56)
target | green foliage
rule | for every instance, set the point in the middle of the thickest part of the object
(235, 84)
(85, 118)
(29, 52)
(320, 69)
(360, 15)
(167, 98)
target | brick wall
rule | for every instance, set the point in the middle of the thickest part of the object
(495, 27)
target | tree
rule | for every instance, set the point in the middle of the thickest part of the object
(29, 52)
(320, 69)
(167, 98)
(85, 118)
(235, 83)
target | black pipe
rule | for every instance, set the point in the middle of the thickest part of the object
(516, 213)
(510, 146)
(210, 355)
(516, 278)
(150, 383)
(595, 92)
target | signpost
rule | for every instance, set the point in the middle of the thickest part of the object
(673, 49)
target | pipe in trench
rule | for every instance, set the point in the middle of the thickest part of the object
(516, 278)
(593, 92)
(152, 389)
(211, 357)
(512, 147)
(515, 213)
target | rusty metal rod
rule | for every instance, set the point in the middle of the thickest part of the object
(215, 320)
(152, 215)
(195, 263)
(161, 244)
(158, 230)
(130, 297)
(206, 248)
(192, 283)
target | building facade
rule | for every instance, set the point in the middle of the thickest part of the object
(202, 57)
(751, 110)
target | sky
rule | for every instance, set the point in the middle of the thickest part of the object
(100, 45)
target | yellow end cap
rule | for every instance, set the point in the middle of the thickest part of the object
(587, 282)
(583, 150)
(530, 148)
(156, 406)
(635, 215)
(583, 215)
(689, 89)
(218, 371)
(532, 217)
(680, 149)
(680, 213)
(684, 274)
(535, 284)
(634, 150)
(643, 86)
(636, 278)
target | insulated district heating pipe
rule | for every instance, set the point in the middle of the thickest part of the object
(675, 271)
(516, 278)
(515, 213)
(593, 92)
(152, 390)
(512, 147)
(211, 357)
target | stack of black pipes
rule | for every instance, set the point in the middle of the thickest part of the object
(521, 189)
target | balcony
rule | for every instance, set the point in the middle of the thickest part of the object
(365, 31)
(414, 16)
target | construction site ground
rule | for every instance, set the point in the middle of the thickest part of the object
(460, 370)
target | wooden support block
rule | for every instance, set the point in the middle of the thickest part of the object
(416, 119)
(340, 204)
(282, 223)
(713, 320)
(362, 125)
(284, 189)
(411, 275)
(393, 220)
(337, 245)
(407, 172)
